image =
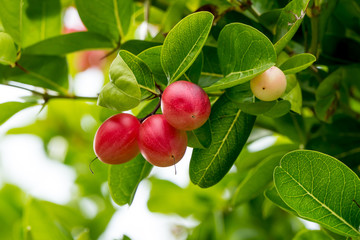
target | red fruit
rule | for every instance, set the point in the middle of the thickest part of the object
(160, 143)
(116, 139)
(185, 105)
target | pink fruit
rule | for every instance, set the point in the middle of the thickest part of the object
(185, 105)
(160, 143)
(116, 139)
(270, 85)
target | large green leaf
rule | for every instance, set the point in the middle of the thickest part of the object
(320, 188)
(244, 52)
(312, 235)
(110, 18)
(257, 179)
(8, 109)
(42, 71)
(72, 42)
(200, 137)
(288, 23)
(125, 178)
(31, 21)
(184, 43)
(122, 92)
(297, 63)
(230, 129)
(7, 50)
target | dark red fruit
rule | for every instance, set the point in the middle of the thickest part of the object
(185, 105)
(116, 139)
(160, 143)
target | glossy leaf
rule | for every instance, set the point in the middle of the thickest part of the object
(312, 235)
(293, 93)
(110, 18)
(256, 180)
(184, 43)
(288, 23)
(7, 50)
(31, 21)
(297, 63)
(200, 137)
(68, 43)
(244, 52)
(272, 194)
(125, 178)
(8, 109)
(320, 188)
(122, 92)
(151, 57)
(49, 72)
(230, 129)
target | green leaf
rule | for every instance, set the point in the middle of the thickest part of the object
(256, 180)
(230, 129)
(138, 46)
(297, 63)
(272, 194)
(7, 50)
(151, 57)
(49, 72)
(122, 92)
(293, 93)
(31, 21)
(244, 52)
(312, 235)
(288, 23)
(110, 18)
(320, 188)
(200, 137)
(184, 43)
(8, 109)
(125, 178)
(68, 43)
(194, 72)
(211, 71)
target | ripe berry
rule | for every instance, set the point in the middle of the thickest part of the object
(269, 85)
(160, 143)
(185, 105)
(116, 139)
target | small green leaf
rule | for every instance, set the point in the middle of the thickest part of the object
(312, 235)
(7, 50)
(244, 52)
(230, 129)
(110, 18)
(256, 180)
(320, 188)
(151, 57)
(184, 43)
(288, 23)
(200, 137)
(68, 43)
(8, 109)
(293, 93)
(122, 92)
(297, 63)
(125, 178)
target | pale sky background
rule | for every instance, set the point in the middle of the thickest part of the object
(23, 162)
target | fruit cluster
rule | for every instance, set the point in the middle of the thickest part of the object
(161, 138)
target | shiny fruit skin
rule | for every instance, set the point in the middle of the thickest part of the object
(160, 143)
(185, 105)
(116, 140)
(270, 85)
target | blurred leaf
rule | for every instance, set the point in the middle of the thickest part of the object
(312, 235)
(244, 52)
(321, 189)
(297, 63)
(31, 21)
(288, 23)
(8, 109)
(200, 137)
(184, 43)
(256, 180)
(123, 92)
(125, 178)
(110, 18)
(270, 18)
(68, 43)
(272, 194)
(43, 71)
(230, 129)
(7, 50)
